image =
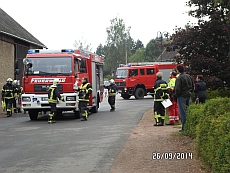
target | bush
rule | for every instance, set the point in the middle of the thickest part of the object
(209, 124)
(221, 92)
(194, 114)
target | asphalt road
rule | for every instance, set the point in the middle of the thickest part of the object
(69, 145)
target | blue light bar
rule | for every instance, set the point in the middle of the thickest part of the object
(67, 50)
(31, 51)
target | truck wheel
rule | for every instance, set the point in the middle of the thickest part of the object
(94, 109)
(33, 114)
(139, 93)
(76, 114)
(125, 96)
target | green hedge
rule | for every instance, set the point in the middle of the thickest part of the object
(209, 124)
(221, 92)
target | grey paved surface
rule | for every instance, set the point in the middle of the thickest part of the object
(69, 145)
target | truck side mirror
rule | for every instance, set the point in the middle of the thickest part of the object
(83, 66)
(17, 71)
(29, 65)
(83, 63)
(16, 64)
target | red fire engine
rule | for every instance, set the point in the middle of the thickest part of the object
(69, 66)
(138, 79)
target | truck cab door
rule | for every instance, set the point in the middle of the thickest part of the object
(133, 77)
(150, 77)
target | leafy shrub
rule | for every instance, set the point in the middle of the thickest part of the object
(221, 92)
(210, 125)
(194, 114)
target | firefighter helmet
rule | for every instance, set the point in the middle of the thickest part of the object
(15, 82)
(9, 80)
(56, 81)
(112, 81)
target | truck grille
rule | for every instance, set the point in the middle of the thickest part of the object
(44, 88)
(120, 83)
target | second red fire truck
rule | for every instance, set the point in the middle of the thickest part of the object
(137, 79)
(69, 66)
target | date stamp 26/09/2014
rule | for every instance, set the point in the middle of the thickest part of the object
(172, 156)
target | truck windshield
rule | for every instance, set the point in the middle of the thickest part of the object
(121, 73)
(50, 66)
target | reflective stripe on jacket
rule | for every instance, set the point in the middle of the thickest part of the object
(8, 91)
(53, 94)
(160, 90)
(112, 89)
(84, 95)
(172, 83)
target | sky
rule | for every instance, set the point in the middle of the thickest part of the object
(58, 23)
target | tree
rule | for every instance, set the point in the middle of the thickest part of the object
(139, 44)
(209, 8)
(118, 43)
(82, 44)
(139, 56)
(100, 50)
(204, 50)
(153, 50)
(136, 45)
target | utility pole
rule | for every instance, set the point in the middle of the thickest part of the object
(126, 53)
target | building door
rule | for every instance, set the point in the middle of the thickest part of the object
(20, 54)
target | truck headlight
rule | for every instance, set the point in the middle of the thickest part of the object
(26, 99)
(71, 98)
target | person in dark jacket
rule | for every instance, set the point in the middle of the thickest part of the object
(200, 89)
(183, 89)
(161, 93)
(53, 96)
(112, 90)
(85, 89)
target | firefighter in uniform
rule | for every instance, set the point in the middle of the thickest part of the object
(84, 91)
(17, 95)
(53, 96)
(173, 109)
(160, 93)
(8, 92)
(112, 90)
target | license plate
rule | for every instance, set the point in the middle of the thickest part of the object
(119, 91)
(44, 98)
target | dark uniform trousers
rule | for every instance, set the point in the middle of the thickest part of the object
(111, 101)
(53, 111)
(83, 108)
(9, 104)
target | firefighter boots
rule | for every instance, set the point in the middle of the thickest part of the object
(9, 113)
(51, 118)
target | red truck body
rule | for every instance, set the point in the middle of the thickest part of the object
(137, 79)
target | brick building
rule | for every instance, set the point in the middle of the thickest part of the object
(15, 41)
